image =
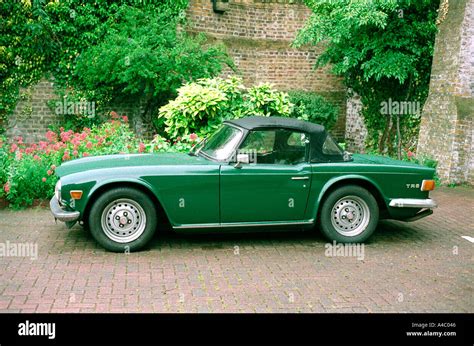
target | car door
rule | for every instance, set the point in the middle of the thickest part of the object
(274, 185)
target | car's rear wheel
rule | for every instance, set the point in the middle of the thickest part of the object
(123, 219)
(349, 215)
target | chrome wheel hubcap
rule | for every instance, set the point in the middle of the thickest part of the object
(350, 216)
(123, 220)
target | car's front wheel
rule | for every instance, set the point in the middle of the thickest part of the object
(123, 219)
(349, 215)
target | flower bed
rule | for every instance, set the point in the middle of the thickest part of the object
(27, 176)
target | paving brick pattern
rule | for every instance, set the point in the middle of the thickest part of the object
(423, 266)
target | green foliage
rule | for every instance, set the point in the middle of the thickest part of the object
(28, 180)
(77, 112)
(196, 109)
(144, 57)
(181, 145)
(101, 50)
(383, 49)
(202, 106)
(39, 37)
(263, 100)
(314, 108)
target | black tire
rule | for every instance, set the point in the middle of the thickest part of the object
(133, 204)
(349, 214)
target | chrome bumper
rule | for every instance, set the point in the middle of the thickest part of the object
(413, 203)
(61, 214)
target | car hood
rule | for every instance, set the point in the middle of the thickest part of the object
(128, 160)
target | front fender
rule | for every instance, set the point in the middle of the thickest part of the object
(90, 185)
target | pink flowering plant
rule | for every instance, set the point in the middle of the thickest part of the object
(28, 170)
(411, 156)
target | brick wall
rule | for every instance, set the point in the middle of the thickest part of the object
(258, 35)
(446, 131)
(140, 124)
(32, 115)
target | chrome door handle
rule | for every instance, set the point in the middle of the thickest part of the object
(299, 178)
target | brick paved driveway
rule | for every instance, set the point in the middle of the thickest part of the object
(425, 266)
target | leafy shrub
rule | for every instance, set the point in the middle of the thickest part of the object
(383, 50)
(30, 177)
(314, 108)
(161, 144)
(103, 50)
(201, 106)
(144, 57)
(27, 171)
(196, 109)
(265, 101)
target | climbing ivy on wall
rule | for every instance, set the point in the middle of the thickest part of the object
(102, 50)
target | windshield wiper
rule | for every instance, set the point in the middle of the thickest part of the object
(202, 146)
(196, 152)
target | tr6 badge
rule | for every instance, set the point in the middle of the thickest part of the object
(412, 186)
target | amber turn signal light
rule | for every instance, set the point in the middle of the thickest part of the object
(427, 185)
(76, 194)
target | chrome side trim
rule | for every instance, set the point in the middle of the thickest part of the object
(413, 203)
(245, 224)
(61, 214)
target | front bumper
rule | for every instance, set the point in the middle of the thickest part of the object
(413, 203)
(61, 214)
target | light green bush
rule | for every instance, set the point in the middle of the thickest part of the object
(201, 106)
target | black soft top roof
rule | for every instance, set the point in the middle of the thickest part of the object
(317, 133)
(253, 122)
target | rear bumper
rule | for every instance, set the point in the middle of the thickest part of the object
(419, 215)
(61, 214)
(413, 203)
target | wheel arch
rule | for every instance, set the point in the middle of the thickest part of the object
(361, 181)
(140, 186)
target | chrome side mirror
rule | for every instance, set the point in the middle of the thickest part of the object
(242, 158)
(347, 156)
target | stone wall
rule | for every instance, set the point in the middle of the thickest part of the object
(446, 131)
(258, 35)
(356, 132)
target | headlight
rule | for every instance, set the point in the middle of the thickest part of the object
(57, 190)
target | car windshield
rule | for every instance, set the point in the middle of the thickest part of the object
(220, 145)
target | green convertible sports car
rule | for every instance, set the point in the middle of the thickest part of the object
(254, 172)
